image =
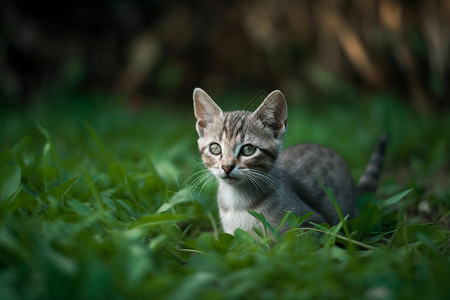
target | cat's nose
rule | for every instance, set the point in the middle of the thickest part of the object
(228, 168)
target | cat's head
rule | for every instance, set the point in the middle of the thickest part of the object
(236, 144)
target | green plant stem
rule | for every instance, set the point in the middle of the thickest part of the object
(362, 245)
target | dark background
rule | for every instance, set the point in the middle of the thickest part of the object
(148, 50)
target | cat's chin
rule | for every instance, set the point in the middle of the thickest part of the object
(230, 180)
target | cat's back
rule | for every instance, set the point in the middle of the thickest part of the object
(310, 158)
(306, 164)
(316, 160)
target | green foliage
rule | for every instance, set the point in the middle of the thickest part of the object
(107, 207)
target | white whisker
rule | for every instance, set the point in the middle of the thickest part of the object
(260, 180)
(201, 180)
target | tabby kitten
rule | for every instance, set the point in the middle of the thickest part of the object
(242, 150)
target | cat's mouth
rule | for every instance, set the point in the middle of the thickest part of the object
(228, 178)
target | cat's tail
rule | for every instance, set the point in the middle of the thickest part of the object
(369, 180)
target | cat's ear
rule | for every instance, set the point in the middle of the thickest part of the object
(205, 109)
(273, 113)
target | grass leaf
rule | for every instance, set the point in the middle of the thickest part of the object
(330, 195)
(396, 198)
(106, 154)
(10, 178)
(159, 219)
(59, 190)
(267, 226)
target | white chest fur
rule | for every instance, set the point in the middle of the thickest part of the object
(233, 219)
(233, 210)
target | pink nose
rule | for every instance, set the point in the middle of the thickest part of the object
(228, 168)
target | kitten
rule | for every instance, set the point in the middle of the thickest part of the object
(242, 150)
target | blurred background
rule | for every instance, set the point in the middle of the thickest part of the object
(147, 51)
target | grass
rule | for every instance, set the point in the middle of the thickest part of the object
(96, 203)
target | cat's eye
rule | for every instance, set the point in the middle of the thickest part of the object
(215, 149)
(248, 150)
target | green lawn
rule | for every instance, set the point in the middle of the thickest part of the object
(99, 202)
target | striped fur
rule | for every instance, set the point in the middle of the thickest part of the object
(268, 180)
(369, 180)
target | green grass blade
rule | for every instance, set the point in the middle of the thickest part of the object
(330, 195)
(10, 179)
(264, 221)
(396, 198)
(59, 190)
(49, 149)
(318, 226)
(99, 143)
(283, 220)
(93, 190)
(159, 219)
